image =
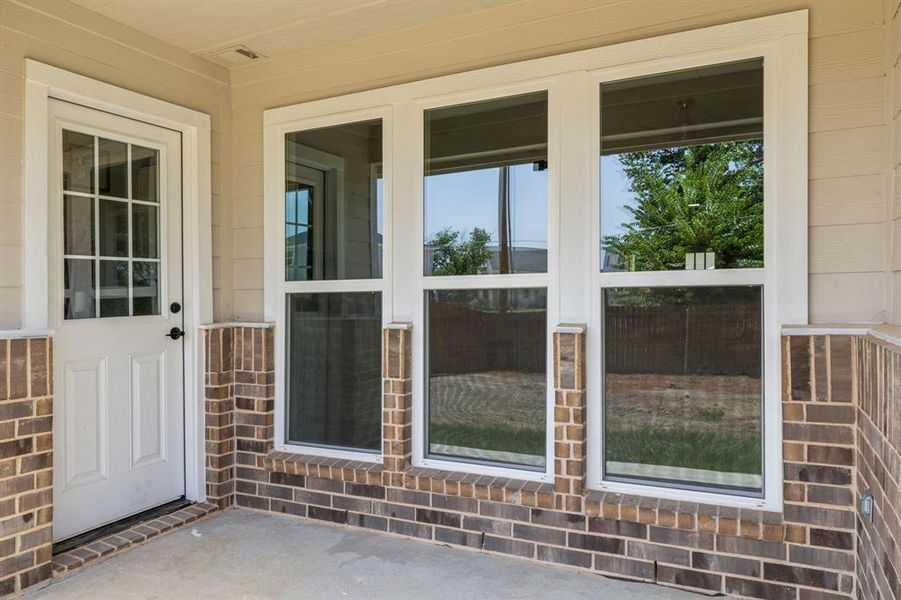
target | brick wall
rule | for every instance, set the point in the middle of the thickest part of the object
(879, 468)
(26, 461)
(806, 551)
(240, 388)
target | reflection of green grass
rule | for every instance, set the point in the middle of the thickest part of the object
(521, 440)
(732, 452)
(710, 416)
(729, 452)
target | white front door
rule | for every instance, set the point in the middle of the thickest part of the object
(115, 234)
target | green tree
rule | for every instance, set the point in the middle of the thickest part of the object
(705, 198)
(457, 254)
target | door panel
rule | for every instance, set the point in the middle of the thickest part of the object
(148, 409)
(115, 248)
(85, 421)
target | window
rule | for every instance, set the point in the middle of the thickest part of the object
(682, 385)
(487, 387)
(332, 221)
(485, 211)
(651, 194)
(486, 187)
(681, 172)
(111, 231)
(335, 379)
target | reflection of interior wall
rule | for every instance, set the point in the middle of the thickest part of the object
(470, 137)
(333, 378)
(355, 144)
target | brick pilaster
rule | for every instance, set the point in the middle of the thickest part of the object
(818, 434)
(397, 403)
(219, 414)
(26, 462)
(569, 417)
(240, 403)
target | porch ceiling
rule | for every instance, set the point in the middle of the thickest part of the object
(275, 28)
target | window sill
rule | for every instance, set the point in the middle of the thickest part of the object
(482, 487)
(688, 516)
(337, 469)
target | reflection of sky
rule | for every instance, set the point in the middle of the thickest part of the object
(469, 199)
(615, 195)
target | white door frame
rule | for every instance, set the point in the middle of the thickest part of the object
(44, 82)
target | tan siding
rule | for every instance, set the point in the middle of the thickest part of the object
(849, 154)
(847, 297)
(847, 200)
(69, 37)
(847, 100)
(847, 248)
(847, 104)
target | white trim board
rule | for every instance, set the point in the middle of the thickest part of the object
(44, 82)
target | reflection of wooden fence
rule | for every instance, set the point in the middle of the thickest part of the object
(677, 340)
(464, 340)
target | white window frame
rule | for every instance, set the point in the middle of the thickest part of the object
(277, 288)
(574, 279)
(423, 283)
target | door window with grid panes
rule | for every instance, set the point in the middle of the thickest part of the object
(111, 228)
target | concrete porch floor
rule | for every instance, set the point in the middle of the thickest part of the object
(254, 555)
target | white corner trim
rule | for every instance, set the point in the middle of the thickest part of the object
(44, 82)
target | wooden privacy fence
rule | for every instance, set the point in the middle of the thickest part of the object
(466, 340)
(683, 340)
(665, 340)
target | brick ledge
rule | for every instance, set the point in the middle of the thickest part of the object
(308, 465)
(687, 516)
(482, 487)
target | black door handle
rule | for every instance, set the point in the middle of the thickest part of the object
(175, 333)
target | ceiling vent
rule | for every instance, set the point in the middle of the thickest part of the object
(232, 56)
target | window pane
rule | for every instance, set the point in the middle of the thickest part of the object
(334, 375)
(683, 388)
(78, 162)
(113, 288)
(331, 177)
(78, 281)
(145, 231)
(78, 233)
(487, 388)
(145, 288)
(682, 170)
(113, 180)
(145, 174)
(113, 228)
(486, 187)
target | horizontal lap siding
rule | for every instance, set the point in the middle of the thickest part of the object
(62, 35)
(848, 253)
